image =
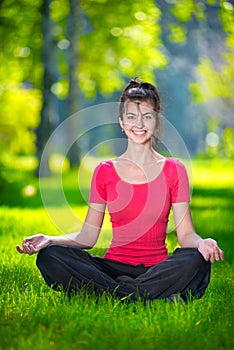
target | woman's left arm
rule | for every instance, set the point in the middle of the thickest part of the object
(187, 237)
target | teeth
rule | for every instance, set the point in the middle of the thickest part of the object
(139, 132)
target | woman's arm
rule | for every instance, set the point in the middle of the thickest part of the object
(86, 238)
(187, 237)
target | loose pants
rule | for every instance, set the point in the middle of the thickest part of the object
(185, 274)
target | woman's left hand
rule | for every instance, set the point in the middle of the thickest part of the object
(209, 249)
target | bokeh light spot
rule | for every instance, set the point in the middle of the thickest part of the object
(212, 139)
(29, 191)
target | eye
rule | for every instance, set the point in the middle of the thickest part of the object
(148, 116)
(131, 116)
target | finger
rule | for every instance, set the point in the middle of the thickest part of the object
(19, 249)
(212, 250)
(27, 248)
(32, 249)
(216, 253)
(221, 254)
(212, 257)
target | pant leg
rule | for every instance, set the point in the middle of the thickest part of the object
(72, 269)
(185, 272)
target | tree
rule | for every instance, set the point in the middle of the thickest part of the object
(49, 111)
(98, 52)
(214, 88)
(109, 42)
(20, 72)
(194, 35)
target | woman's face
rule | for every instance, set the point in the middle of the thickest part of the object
(139, 121)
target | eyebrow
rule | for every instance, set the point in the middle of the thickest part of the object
(141, 113)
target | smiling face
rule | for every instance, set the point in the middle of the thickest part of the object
(139, 121)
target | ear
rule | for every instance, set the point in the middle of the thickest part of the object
(121, 122)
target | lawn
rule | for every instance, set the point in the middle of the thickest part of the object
(34, 317)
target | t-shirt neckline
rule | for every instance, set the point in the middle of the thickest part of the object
(138, 184)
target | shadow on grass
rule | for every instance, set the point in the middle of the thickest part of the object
(212, 198)
(12, 192)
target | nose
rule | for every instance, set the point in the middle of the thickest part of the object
(139, 121)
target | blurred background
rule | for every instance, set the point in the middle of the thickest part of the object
(60, 56)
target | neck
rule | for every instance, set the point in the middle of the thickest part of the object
(140, 154)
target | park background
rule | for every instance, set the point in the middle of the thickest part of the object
(63, 56)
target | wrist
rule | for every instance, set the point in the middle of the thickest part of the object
(199, 242)
(50, 240)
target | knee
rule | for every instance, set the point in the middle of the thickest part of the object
(192, 260)
(198, 261)
(45, 255)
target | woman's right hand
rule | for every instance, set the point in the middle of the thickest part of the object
(34, 244)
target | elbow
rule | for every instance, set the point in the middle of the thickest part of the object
(86, 239)
(184, 239)
(89, 245)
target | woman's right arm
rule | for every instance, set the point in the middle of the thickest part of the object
(86, 238)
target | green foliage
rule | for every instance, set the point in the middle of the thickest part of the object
(112, 44)
(183, 10)
(212, 83)
(116, 40)
(124, 42)
(20, 114)
(177, 34)
(20, 75)
(215, 84)
(21, 42)
(228, 142)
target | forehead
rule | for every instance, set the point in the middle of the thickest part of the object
(142, 105)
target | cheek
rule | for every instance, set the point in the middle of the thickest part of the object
(152, 127)
(125, 124)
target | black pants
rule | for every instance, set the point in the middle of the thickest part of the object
(184, 273)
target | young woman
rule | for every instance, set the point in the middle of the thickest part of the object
(139, 188)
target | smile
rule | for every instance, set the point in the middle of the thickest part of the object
(140, 132)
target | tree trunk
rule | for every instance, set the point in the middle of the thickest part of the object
(73, 57)
(49, 115)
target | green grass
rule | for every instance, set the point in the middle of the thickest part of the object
(34, 317)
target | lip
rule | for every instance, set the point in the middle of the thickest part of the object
(139, 132)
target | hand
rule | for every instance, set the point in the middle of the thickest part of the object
(209, 249)
(33, 244)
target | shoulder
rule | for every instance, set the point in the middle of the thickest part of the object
(103, 168)
(175, 168)
(174, 163)
(104, 165)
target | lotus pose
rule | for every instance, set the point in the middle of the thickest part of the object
(139, 188)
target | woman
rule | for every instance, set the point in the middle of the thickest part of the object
(139, 189)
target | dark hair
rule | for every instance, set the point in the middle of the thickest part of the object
(142, 91)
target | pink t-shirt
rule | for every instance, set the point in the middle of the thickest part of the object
(139, 212)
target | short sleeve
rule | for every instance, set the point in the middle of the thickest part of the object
(98, 188)
(180, 189)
